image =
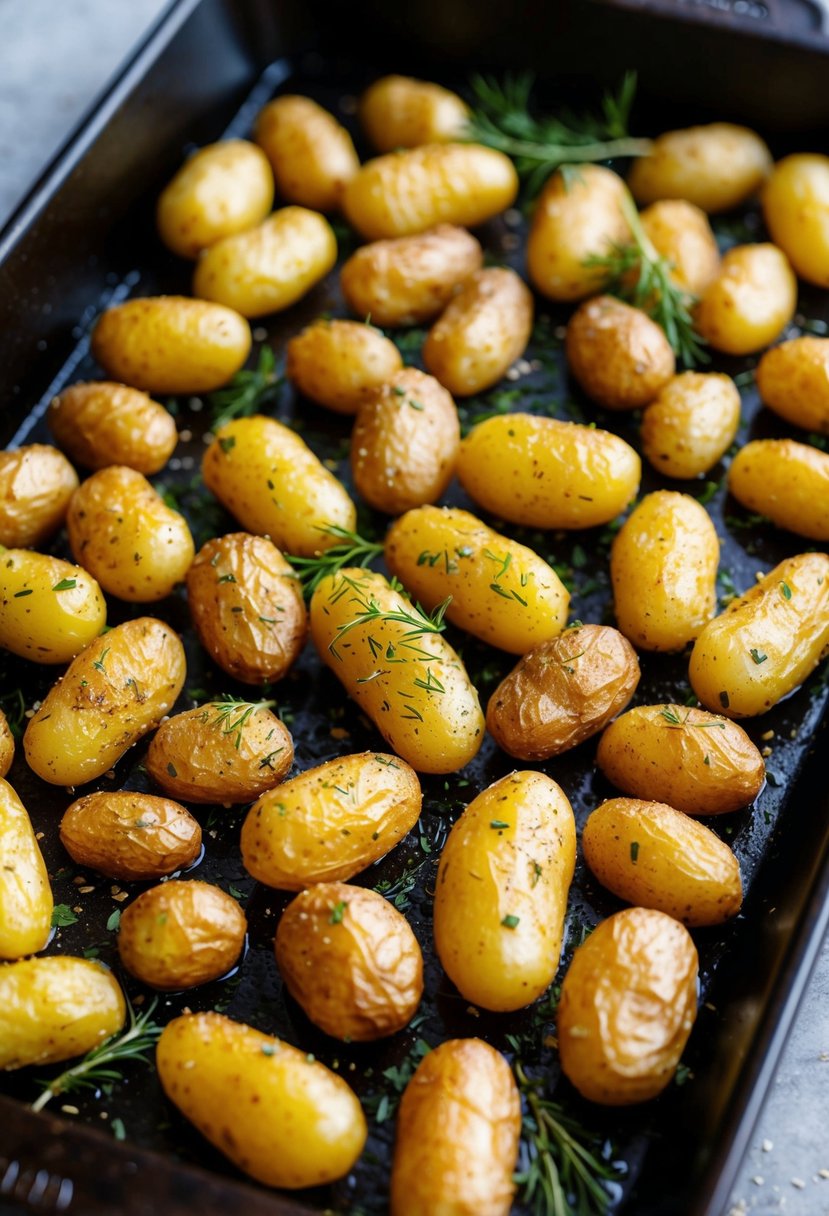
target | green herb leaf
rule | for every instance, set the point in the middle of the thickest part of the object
(114, 921)
(758, 656)
(337, 912)
(63, 915)
(65, 584)
(511, 922)
(785, 591)
(634, 851)
(247, 393)
(498, 824)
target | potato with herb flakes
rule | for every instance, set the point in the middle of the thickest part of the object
(793, 380)
(265, 475)
(715, 167)
(543, 473)
(36, 484)
(247, 607)
(405, 442)
(788, 482)
(330, 822)
(338, 363)
(224, 751)
(274, 1111)
(104, 423)
(401, 112)
(628, 1003)
(25, 894)
(750, 302)
(312, 156)
(697, 762)
(562, 692)
(6, 745)
(796, 211)
(129, 835)
(484, 329)
(691, 423)
(467, 1088)
(767, 641)
(410, 279)
(681, 233)
(112, 694)
(350, 959)
(619, 356)
(49, 609)
(52, 1009)
(501, 892)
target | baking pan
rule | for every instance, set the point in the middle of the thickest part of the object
(86, 237)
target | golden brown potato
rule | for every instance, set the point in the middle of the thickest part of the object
(793, 380)
(691, 424)
(6, 745)
(563, 692)
(247, 607)
(697, 762)
(132, 836)
(466, 1086)
(716, 167)
(786, 481)
(484, 329)
(36, 483)
(25, 894)
(680, 232)
(649, 854)
(104, 423)
(411, 279)
(49, 609)
(171, 344)
(225, 751)
(796, 211)
(620, 357)
(181, 934)
(350, 959)
(338, 363)
(400, 112)
(312, 156)
(405, 443)
(628, 1003)
(750, 302)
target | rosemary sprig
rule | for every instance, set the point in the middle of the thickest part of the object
(103, 1063)
(673, 719)
(501, 119)
(13, 705)
(352, 550)
(247, 392)
(369, 611)
(232, 714)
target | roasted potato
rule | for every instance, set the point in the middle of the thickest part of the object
(691, 424)
(330, 822)
(350, 959)
(171, 344)
(697, 762)
(25, 894)
(793, 380)
(6, 745)
(400, 112)
(562, 692)
(680, 232)
(337, 363)
(312, 156)
(619, 356)
(112, 694)
(49, 609)
(104, 423)
(750, 302)
(405, 443)
(787, 482)
(484, 329)
(247, 607)
(716, 167)
(466, 1086)
(501, 892)
(128, 835)
(796, 211)
(36, 483)
(225, 1077)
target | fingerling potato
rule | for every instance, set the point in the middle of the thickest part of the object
(312, 156)
(716, 167)
(36, 484)
(786, 481)
(619, 356)
(793, 380)
(104, 423)
(337, 363)
(691, 424)
(681, 233)
(6, 745)
(129, 835)
(25, 893)
(400, 112)
(49, 609)
(750, 302)
(796, 211)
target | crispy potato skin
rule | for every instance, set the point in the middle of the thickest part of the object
(410, 279)
(750, 302)
(572, 221)
(796, 211)
(663, 568)
(123, 532)
(171, 344)
(247, 607)
(293, 836)
(54, 1008)
(25, 894)
(628, 1003)
(502, 592)
(548, 474)
(350, 959)
(408, 192)
(501, 892)
(36, 484)
(104, 423)
(697, 762)
(651, 855)
(266, 476)
(484, 329)
(181, 934)
(793, 380)
(223, 189)
(786, 481)
(270, 267)
(405, 443)
(39, 622)
(783, 620)
(691, 424)
(620, 357)
(202, 757)
(401, 112)
(457, 1134)
(715, 167)
(315, 1129)
(129, 835)
(337, 363)
(680, 232)
(6, 745)
(113, 693)
(562, 692)
(312, 156)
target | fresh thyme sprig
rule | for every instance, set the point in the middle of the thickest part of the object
(352, 550)
(369, 611)
(103, 1063)
(232, 714)
(673, 719)
(501, 119)
(247, 392)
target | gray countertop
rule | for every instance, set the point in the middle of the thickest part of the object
(54, 57)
